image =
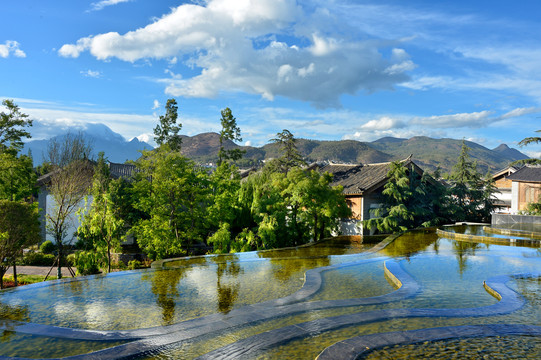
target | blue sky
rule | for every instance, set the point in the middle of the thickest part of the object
(329, 70)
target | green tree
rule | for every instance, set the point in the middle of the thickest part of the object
(291, 156)
(167, 130)
(230, 131)
(471, 196)
(409, 200)
(173, 192)
(102, 225)
(17, 177)
(12, 128)
(19, 227)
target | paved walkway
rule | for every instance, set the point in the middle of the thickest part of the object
(38, 270)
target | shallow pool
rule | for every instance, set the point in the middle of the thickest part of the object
(285, 304)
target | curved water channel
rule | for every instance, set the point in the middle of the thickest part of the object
(339, 299)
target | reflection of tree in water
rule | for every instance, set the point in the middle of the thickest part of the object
(164, 285)
(292, 262)
(9, 313)
(462, 250)
(412, 243)
(227, 284)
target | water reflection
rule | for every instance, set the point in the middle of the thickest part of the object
(164, 285)
(463, 250)
(412, 243)
(9, 313)
(227, 283)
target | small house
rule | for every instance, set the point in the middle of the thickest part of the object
(525, 187)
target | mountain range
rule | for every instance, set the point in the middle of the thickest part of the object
(427, 152)
(101, 137)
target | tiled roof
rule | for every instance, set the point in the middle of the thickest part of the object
(356, 179)
(527, 174)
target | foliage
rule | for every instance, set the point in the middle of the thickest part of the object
(167, 130)
(33, 258)
(471, 196)
(530, 140)
(47, 247)
(408, 201)
(291, 156)
(19, 227)
(230, 131)
(173, 192)
(17, 177)
(135, 264)
(86, 262)
(102, 227)
(278, 211)
(12, 126)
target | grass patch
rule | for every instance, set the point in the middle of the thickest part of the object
(23, 279)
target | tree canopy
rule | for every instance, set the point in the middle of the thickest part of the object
(167, 130)
(12, 127)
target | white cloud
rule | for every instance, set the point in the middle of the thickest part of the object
(11, 47)
(104, 3)
(156, 104)
(473, 120)
(520, 112)
(383, 123)
(91, 73)
(232, 43)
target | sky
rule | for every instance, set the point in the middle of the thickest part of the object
(323, 69)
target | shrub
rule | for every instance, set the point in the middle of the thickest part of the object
(86, 262)
(32, 258)
(47, 247)
(134, 264)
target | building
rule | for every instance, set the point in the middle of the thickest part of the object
(363, 185)
(503, 184)
(525, 187)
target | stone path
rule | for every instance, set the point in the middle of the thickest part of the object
(38, 270)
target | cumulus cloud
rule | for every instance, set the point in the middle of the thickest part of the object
(234, 46)
(104, 3)
(11, 47)
(383, 123)
(156, 104)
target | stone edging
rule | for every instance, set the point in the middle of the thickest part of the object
(510, 301)
(510, 232)
(486, 239)
(361, 346)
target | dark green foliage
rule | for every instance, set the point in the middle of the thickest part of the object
(47, 247)
(33, 258)
(167, 130)
(290, 155)
(12, 128)
(409, 200)
(230, 131)
(19, 228)
(471, 196)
